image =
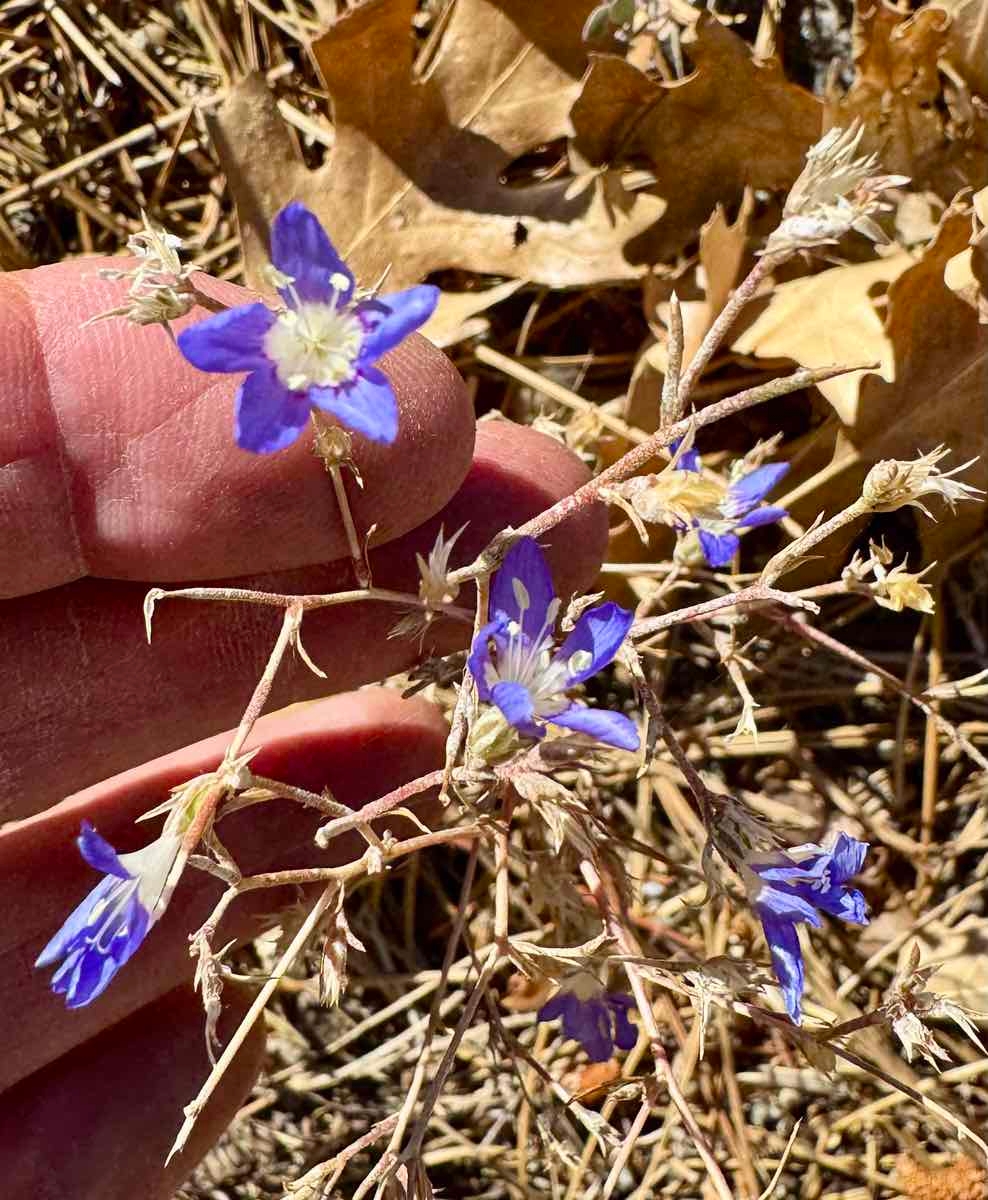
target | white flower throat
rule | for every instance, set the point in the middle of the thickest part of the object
(530, 661)
(314, 345)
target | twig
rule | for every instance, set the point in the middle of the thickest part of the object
(193, 1110)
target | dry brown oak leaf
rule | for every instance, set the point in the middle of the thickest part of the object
(914, 117)
(736, 121)
(413, 180)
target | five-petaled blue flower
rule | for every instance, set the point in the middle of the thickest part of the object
(738, 509)
(516, 666)
(598, 1020)
(319, 352)
(113, 920)
(787, 887)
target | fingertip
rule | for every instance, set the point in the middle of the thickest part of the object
(533, 471)
(103, 1117)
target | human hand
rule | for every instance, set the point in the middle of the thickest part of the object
(121, 472)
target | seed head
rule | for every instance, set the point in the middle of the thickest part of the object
(834, 193)
(893, 483)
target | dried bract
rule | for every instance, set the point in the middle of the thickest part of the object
(908, 1006)
(835, 193)
(893, 483)
(159, 290)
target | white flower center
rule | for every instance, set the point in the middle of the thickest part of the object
(530, 662)
(314, 345)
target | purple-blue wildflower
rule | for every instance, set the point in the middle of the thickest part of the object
(517, 668)
(598, 1020)
(319, 352)
(107, 928)
(738, 509)
(790, 886)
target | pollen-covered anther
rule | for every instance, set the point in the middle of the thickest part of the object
(314, 345)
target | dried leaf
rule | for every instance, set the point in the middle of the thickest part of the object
(722, 248)
(898, 93)
(940, 383)
(967, 42)
(457, 315)
(413, 182)
(830, 318)
(966, 274)
(734, 122)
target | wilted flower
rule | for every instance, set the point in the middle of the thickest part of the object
(908, 1006)
(106, 929)
(159, 289)
(894, 483)
(834, 193)
(318, 352)
(789, 887)
(514, 663)
(595, 1018)
(710, 509)
(898, 589)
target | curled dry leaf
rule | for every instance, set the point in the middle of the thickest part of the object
(413, 181)
(908, 106)
(967, 42)
(735, 122)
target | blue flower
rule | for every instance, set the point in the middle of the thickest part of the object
(738, 509)
(319, 352)
(787, 887)
(513, 660)
(111, 923)
(598, 1021)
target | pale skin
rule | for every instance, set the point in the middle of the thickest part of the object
(118, 471)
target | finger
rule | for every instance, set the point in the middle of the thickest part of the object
(359, 745)
(120, 460)
(103, 1117)
(85, 696)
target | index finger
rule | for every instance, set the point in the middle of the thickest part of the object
(120, 460)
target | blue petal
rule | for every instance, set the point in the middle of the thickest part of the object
(689, 460)
(847, 857)
(611, 728)
(480, 656)
(95, 948)
(625, 1033)
(556, 1006)
(230, 341)
(75, 923)
(402, 313)
(599, 632)
(748, 490)
(789, 903)
(515, 702)
(763, 516)
(594, 1031)
(846, 903)
(98, 852)
(526, 564)
(301, 248)
(367, 405)
(787, 961)
(268, 417)
(718, 549)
